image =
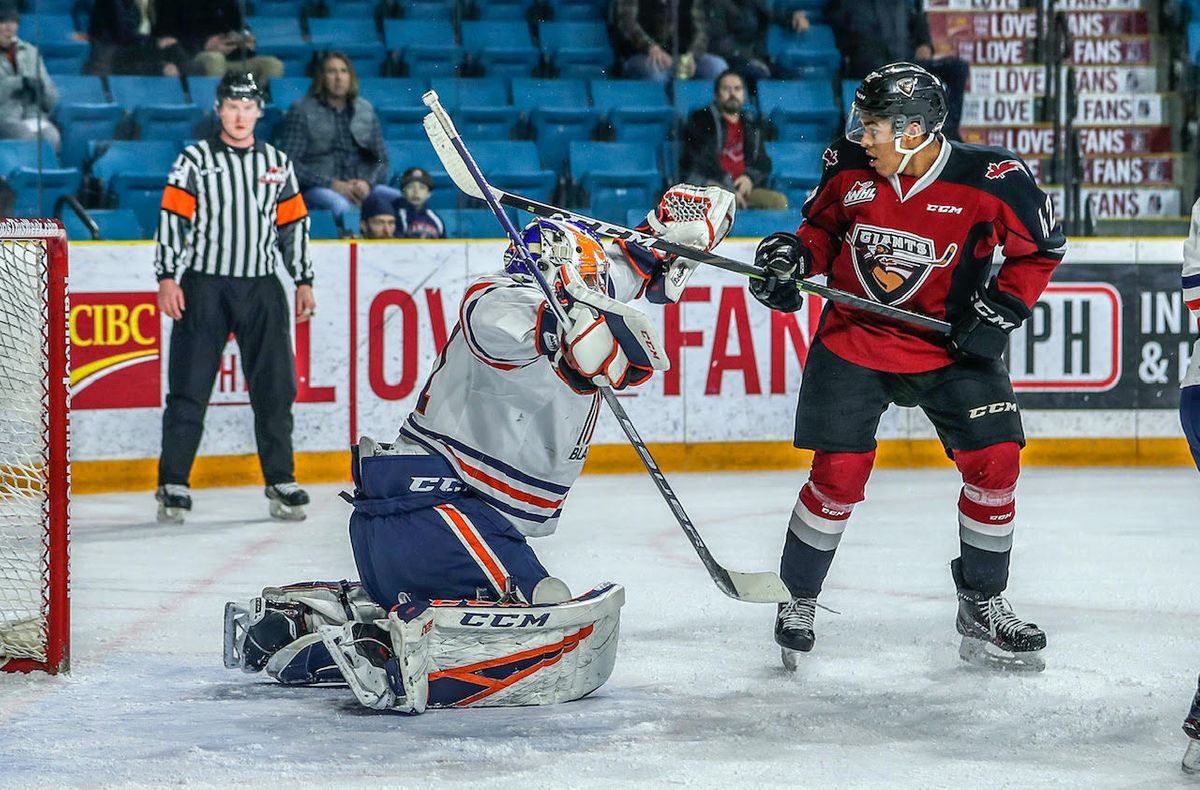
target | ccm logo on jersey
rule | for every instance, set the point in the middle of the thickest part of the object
(427, 485)
(503, 620)
(991, 408)
(861, 192)
(996, 170)
(936, 209)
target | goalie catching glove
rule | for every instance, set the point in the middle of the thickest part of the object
(608, 343)
(696, 217)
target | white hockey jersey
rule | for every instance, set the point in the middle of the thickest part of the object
(1191, 291)
(493, 406)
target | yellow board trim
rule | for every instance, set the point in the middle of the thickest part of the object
(94, 477)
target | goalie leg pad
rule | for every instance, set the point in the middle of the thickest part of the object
(386, 663)
(304, 662)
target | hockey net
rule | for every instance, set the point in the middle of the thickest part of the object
(34, 471)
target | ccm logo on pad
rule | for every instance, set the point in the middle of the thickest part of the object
(503, 620)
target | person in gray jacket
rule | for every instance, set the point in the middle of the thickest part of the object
(27, 93)
(335, 141)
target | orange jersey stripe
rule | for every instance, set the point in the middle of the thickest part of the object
(503, 487)
(291, 210)
(469, 536)
(179, 201)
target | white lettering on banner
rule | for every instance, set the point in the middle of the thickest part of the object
(1072, 340)
(1031, 80)
(1124, 203)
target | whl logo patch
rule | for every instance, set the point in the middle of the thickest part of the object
(861, 192)
(998, 170)
(893, 264)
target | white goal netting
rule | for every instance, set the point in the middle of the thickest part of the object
(25, 377)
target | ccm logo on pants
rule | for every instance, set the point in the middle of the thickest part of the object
(992, 408)
(425, 485)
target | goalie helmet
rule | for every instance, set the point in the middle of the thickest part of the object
(559, 242)
(905, 93)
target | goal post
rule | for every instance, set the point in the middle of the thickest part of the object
(35, 475)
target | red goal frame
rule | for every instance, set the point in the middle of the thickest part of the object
(56, 597)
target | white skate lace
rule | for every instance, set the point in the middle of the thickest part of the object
(1001, 618)
(798, 614)
(286, 489)
(173, 489)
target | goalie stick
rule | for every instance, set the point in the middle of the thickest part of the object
(761, 587)
(457, 168)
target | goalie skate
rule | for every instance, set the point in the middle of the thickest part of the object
(174, 502)
(287, 501)
(993, 637)
(1191, 757)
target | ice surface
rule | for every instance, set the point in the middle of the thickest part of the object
(1105, 561)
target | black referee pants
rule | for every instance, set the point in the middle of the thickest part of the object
(255, 310)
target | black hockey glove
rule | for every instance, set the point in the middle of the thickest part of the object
(982, 331)
(785, 259)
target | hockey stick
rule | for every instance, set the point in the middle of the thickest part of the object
(762, 587)
(461, 175)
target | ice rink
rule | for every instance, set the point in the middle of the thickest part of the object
(1105, 560)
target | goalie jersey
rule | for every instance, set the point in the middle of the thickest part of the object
(522, 441)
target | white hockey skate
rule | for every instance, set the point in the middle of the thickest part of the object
(174, 502)
(287, 501)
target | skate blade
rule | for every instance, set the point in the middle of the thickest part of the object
(987, 656)
(791, 658)
(287, 512)
(1191, 758)
(170, 515)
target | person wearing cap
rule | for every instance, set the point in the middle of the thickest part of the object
(413, 219)
(27, 94)
(335, 141)
(378, 217)
(231, 213)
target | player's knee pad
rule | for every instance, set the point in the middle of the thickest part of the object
(992, 470)
(841, 477)
(836, 483)
(987, 504)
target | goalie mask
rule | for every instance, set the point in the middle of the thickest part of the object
(558, 242)
(897, 101)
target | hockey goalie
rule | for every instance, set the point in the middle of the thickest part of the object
(454, 608)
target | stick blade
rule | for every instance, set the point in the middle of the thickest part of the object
(451, 159)
(761, 587)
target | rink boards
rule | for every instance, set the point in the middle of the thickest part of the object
(1097, 367)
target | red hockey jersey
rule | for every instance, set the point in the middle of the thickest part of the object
(925, 245)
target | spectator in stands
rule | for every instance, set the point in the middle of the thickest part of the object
(723, 146)
(335, 140)
(645, 40)
(873, 33)
(124, 41)
(215, 38)
(737, 32)
(27, 93)
(413, 219)
(378, 218)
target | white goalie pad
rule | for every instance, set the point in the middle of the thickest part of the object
(1192, 377)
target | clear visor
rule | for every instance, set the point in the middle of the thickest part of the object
(867, 129)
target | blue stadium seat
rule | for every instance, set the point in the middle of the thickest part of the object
(755, 224)
(481, 107)
(357, 37)
(403, 154)
(636, 109)
(286, 91)
(280, 35)
(116, 224)
(615, 176)
(500, 9)
(500, 48)
(1193, 41)
(426, 47)
(350, 9)
(579, 10)
(795, 168)
(157, 105)
(576, 49)
(691, 95)
(811, 53)
(321, 225)
(19, 168)
(276, 8)
(351, 222)
(83, 113)
(428, 9)
(474, 223)
(797, 102)
(62, 46)
(848, 89)
(513, 165)
(558, 112)
(397, 102)
(132, 174)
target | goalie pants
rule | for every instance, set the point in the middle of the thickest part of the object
(413, 536)
(973, 408)
(255, 311)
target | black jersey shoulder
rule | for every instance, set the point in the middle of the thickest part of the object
(841, 155)
(988, 167)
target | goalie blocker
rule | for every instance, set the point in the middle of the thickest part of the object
(428, 654)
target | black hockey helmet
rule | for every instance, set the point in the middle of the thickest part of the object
(904, 92)
(238, 86)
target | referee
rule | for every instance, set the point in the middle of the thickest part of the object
(231, 212)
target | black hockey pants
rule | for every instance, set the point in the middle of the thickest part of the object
(255, 310)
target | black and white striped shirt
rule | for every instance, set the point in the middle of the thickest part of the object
(235, 212)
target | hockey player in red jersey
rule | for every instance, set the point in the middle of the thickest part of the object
(904, 217)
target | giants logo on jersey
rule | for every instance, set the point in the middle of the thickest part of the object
(861, 192)
(892, 264)
(996, 170)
